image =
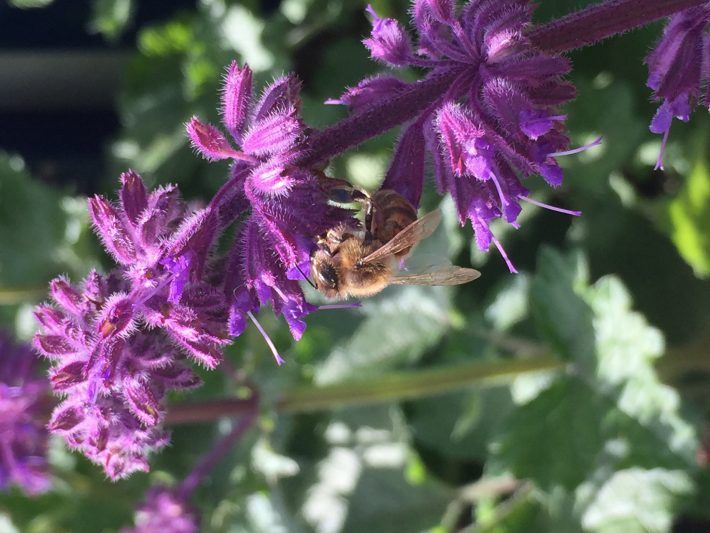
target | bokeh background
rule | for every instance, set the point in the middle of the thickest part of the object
(619, 442)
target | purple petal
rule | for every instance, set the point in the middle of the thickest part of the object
(280, 95)
(67, 376)
(208, 140)
(133, 195)
(65, 295)
(370, 91)
(552, 173)
(142, 402)
(111, 230)
(194, 236)
(236, 98)
(661, 122)
(116, 318)
(389, 41)
(180, 270)
(441, 10)
(65, 418)
(273, 134)
(535, 122)
(406, 173)
(270, 178)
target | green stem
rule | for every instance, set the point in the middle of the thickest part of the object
(18, 296)
(387, 388)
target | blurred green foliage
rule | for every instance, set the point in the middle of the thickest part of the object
(608, 445)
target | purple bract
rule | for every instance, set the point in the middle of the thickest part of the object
(679, 70)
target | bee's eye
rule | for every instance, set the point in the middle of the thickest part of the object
(327, 276)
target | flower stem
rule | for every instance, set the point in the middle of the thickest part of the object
(603, 20)
(376, 119)
(387, 388)
(211, 458)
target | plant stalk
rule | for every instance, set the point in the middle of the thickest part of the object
(392, 387)
(603, 20)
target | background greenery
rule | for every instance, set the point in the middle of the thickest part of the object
(616, 439)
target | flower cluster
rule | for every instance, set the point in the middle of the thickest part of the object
(498, 120)
(287, 205)
(112, 375)
(23, 437)
(162, 251)
(679, 69)
(164, 510)
(116, 342)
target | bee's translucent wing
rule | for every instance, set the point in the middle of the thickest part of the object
(439, 275)
(409, 236)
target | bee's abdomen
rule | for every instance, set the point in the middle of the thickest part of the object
(391, 213)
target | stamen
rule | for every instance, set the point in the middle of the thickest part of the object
(512, 268)
(344, 305)
(503, 201)
(582, 148)
(269, 342)
(550, 207)
(659, 161)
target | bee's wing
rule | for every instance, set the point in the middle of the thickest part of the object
(439, 275)
(409, 236)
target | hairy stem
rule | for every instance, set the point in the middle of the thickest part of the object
(376, 119)
(603, 20)
(387, 388)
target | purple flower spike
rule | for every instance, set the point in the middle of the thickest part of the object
(111, 375)
(23, 437)
(287, 210)
(678, 68)
(164, 510)
(496, 123)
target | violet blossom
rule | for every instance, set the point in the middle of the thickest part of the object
(679, 70)
(496, 123)
(164, 510)
(286, 205)
(23, 403)
(111, 373)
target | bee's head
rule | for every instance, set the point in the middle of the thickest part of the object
(325, 273)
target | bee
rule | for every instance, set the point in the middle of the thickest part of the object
(354, 261)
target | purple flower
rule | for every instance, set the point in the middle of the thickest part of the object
(23, 436)
(678, 69)
(164, 510)
(111, 373)
(286, 204)
(498, 121)
(162, 250)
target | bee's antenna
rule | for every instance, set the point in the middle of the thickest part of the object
(306, 278)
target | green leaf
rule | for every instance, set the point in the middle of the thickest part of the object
(689, 218)
(581, 438)
(636, 500)
(29, 4)
(111, 17)
(562, 318)
(32, 225)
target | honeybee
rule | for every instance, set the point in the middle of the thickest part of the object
(360, 262)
